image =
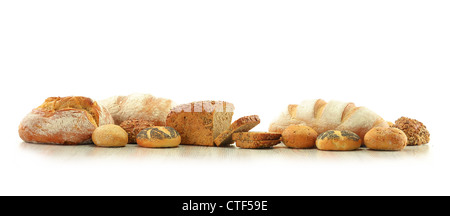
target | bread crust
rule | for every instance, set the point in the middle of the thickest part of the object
(64, 120)
(388, 139)
(248, 136)
(139, 106)
(133, 127)
(158, 137)
(299, 136)
(243, 124)
(334, 140)
(256, 144)
(200, 122)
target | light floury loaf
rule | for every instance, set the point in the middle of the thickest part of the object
(64, 120)
(323, 116)
(199, 123)
(138, 106)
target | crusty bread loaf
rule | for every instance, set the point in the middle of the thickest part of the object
(243, 124)
(323, 116)
(138, 106)
(199, 123)
(64, 120)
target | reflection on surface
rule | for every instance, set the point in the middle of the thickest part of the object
(134, 152)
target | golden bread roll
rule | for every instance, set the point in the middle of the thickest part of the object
(110, 136)
(158, 136)
(335, 140)
(392, 139)
(64, 120)
(299, 136)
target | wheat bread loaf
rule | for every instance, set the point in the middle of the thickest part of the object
(199, 123)
(243, 124)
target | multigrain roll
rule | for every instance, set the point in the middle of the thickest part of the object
(134, 126)
(157, 137)
(299, 136)
(335, 140)
(391, 139)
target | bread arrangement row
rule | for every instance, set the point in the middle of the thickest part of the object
(158, 122)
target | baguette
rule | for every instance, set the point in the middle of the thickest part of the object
(323, 116)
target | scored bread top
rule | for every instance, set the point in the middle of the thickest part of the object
(204, 106)
(53, 104)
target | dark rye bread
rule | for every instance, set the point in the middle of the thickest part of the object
(256, 136)
(243, 124)
(256, 144)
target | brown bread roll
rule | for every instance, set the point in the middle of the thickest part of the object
(64, 120)
(416, 131)
(110, 136)
(335, 140)
(157, 136)
(299, 136)
(392, 139)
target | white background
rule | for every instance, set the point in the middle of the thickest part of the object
(390, 56)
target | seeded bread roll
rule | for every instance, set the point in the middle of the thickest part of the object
(299, 136)
(391, 139)
(248, 136)
(64, 120)
(243, 124)
(335, 140)
(416, 131)
(110, 135)
(199, 123)
(158, 137)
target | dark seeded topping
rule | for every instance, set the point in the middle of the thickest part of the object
(143, 133)
(350, 135)
(156, 133)
(328, 134)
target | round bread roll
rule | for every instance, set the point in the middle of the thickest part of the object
(133, 127)
(391, 139)
(110, 136)
(299, 136)
(335, 140)
(155, 137)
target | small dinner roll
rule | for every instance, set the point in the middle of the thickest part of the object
(391, 139)
(335, 140)
(158, 136)
(110, 136)
(299, 136)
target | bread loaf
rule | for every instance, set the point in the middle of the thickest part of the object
(64, 120)
(199, 123)
(243, 124)
(138, 106)
(323, 116)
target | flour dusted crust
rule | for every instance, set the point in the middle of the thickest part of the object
(64, 120)
(243, 124)
(138, 106)
(199, 123)
(323, 116)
